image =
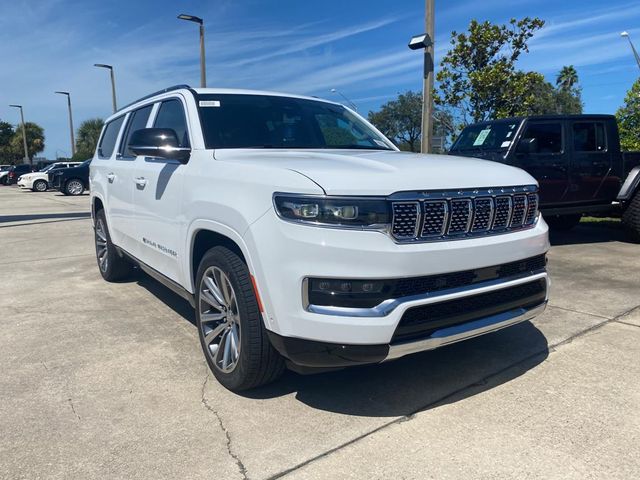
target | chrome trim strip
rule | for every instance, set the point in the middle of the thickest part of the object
(462, 193)
(386, 307)
(465, 331)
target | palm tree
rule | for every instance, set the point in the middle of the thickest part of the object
(87, 138)
(567, 78)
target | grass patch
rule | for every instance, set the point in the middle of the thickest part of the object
(602, 221)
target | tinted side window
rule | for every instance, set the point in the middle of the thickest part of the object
(589, 137)
(109, 137)
(171, 115)
(137, 120)
(548, 136)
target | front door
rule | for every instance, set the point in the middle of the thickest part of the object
(546, 159)
(591, 162)
(158, 197)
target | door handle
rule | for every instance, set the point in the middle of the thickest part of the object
(111, 177)
(141, 181)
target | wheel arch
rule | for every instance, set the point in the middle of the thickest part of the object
(630, 186)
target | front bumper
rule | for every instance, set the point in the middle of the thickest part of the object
(313, 354)
(283, 254)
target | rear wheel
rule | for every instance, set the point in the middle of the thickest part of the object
(74, 187)
(563, 223)
(631, 217)
(40, 186)
(230, 326)
(112, 266)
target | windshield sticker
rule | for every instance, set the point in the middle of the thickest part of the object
(505, 144)
(509, 134)
(209, 103)
(482, 136)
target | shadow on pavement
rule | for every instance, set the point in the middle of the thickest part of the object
(405, 386)
(42, 216)
(591, 232)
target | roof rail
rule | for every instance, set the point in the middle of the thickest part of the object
(164, 90)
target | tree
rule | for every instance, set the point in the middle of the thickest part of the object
(478, 79)
(401, 121)
(35, 139)
(628, 117)
(87, 136)
(567, 78)
(7, 154)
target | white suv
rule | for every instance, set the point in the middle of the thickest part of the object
(39, 181)
(303, 237)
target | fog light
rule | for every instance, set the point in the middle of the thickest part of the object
(324, 285)
(345, 286)
(367, 287)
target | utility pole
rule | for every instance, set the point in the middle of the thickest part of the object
(427, 83)
(633, 49)
(73, 143)
(113, 83)
(24, 135)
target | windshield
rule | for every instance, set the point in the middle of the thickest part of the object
(47, 168)
(4, 168)
(262, 121)
(487, 136)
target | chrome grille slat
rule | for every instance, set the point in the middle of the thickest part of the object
(433, 216)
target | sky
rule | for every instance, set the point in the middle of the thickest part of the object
(299, 46)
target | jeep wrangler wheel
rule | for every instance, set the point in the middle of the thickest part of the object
(112, 266)
(563, 223)
(230, 326)
(39, 186)
(631, 217)
(74, 187)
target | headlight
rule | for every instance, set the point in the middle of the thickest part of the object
(345, 212)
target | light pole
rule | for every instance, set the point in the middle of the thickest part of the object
(113, 83)
(73, 143)
(351, 104)
(24, 135)
(199, 21)
(635, 53)
(425, 41)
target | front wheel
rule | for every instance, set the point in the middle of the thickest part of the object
(40, 186)
(74, 187)
(631, 217)
(230, 325)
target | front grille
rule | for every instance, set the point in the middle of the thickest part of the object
(449, 215)
(420, 322)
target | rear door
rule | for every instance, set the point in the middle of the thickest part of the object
(591, 163)
(158, 196)
(548, 161)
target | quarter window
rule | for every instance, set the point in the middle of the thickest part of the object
(548, 137)
(109, 137)
(137, 120)
(171, 115)
(589, 137)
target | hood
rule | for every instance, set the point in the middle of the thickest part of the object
(355, 172)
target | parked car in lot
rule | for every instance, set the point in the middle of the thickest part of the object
(39, 181)
(71, 181)
(303, 237)
(575, 158)
(14, 172)
(4, 170)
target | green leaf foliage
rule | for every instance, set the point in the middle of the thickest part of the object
(628, 116)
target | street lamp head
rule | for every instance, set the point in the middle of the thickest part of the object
(419, 42)
(190, 18)
(64, 93)
(333, 90)
(103, 65)
(16, 106)
(624, 34)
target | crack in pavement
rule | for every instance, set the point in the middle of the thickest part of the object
(241, 468)
(410, 416)
(579, 311)
(73, 408)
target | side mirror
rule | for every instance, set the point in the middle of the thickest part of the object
(528, 145)
(159, 142)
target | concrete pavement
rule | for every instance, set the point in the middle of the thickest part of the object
(108, 381)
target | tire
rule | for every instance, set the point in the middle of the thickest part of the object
(631, 217)
(563, 223)
(227, 308)
(74, 187)
(40, 186)
(111, 265)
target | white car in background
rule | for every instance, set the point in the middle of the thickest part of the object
(39, 181)
(4, 170)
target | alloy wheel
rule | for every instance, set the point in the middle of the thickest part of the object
(101, 246)
(74, 187)
(41, 186)
(220, 319)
